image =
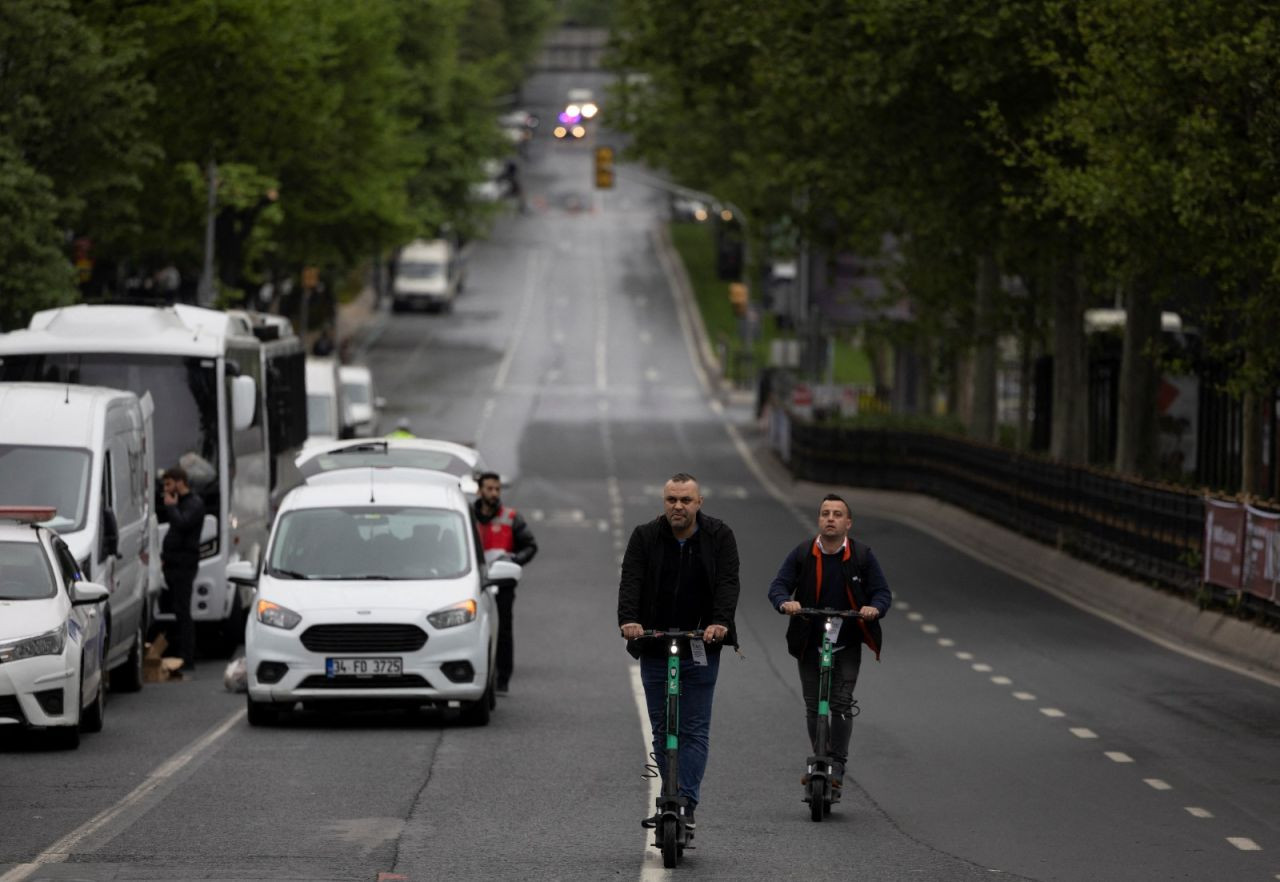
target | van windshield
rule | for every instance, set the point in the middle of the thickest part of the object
(184, 389)
(53, 476)
(319, 416)
(25, 572)
(379, 544)
(419, 270)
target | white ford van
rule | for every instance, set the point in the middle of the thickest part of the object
(428, 273)
(89, 453)
(326, 403)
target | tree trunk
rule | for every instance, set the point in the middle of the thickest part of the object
(1139, 378)
(982, 425)
(1251, 432)
(1068, 431)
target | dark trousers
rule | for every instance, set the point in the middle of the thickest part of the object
(506, 600)
(182, 636)
(845, 664)
(697, 689)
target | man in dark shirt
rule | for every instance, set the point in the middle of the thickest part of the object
(503, 532)
(832, 571)
(183, 511)
(680, 573)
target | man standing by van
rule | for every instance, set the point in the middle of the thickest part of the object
(502, 530)
(183, 511)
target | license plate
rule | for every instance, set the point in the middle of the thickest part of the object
(363, 667)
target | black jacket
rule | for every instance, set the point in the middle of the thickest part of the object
(864, 582)
(181, 549)
(638, 589)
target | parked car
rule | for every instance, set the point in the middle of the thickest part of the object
(374, 588)
(89, 454)
(459, 460)
(326, 404)
(52, 642)
(364, 407)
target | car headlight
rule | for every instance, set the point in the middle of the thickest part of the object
(452, 616)
(277, 616)
(48, 643)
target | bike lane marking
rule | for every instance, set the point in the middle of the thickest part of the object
(651, 868)
(140, 797)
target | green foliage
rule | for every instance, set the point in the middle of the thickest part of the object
(36, 274)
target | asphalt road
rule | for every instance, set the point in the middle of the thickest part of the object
(1004, 732)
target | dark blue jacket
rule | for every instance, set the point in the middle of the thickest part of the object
(181, 548)
(864, 582)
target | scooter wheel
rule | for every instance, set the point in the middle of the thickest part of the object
(816, 797)
(670, 842)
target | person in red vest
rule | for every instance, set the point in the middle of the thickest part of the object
(502, 533)
(832, 571)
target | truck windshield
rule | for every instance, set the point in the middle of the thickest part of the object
(184, 389)
(418, 270)
(53, 476)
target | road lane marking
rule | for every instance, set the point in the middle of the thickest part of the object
(913, 617)
(1117, 756)
(532, 277)
(1024, 696)
(964, 656)
(982, 668)
(929, 629)
(1082, 732)
(946, 641)
(1196, 812)
(1001, 680)
(1244, 843)
(65, 847)
(1157, 784)
(1052, 712)
(651, 869)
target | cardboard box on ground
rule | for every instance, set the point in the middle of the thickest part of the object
(156, 666)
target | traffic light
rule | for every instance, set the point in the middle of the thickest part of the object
(604, 168)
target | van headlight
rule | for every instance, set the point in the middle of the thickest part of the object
(452, 616)
(277, 616)
(48, 643)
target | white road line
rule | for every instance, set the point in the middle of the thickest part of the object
(1052, 712)
(1244, 843)
(532, 276)
(485, 415)
(1001, 680)
(1157, 784)
(963, 656)
(1117, 756)
(651, 868)
(901, 605)
(1024, 696)
(1196, 812)
(1082, 732)
(929, 629)
(65, 847)
(982, 668)
(911, 617)
(944, 641)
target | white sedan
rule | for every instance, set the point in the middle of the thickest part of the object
(51, 632)
(459, 460)
(374, 588)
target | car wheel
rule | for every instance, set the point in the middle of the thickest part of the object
(477, 713)
(262, 713)
(128, 677)
(91, 717)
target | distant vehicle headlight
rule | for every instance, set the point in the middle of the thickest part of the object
(452, 616)
(589, 110)
(277, 616)
(573, 110)
(48, 643)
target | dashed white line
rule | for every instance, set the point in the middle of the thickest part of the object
(1157, 784)
(914, 617)
(982, 668)
(964, 656)
(1024, 696)
(1117, 756)
(1196, 812)
(1244, 843)
(1081, 732)
(1052, 712)
(946, 641)
(902, 605)
(1000, 680)
(929, 629)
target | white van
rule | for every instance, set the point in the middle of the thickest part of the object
(326, 404)
(89, 452)
(428, 273)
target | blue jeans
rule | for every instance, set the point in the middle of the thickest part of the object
(697, 686)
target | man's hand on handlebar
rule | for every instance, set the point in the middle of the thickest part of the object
(790, 607)
(714, 633)
(632, 630)
(870, 613)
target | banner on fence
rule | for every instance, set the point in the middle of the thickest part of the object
(1262, 553)
(1224, 532)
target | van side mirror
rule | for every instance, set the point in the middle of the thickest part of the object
(244, 402)
(503, 573)
(242, 572)
(110, 535)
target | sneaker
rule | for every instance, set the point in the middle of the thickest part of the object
(689, 822)
(502, 687)
(650, 822)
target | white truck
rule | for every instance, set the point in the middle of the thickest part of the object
(218, 393)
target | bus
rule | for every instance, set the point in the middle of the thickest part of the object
(230, 408)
